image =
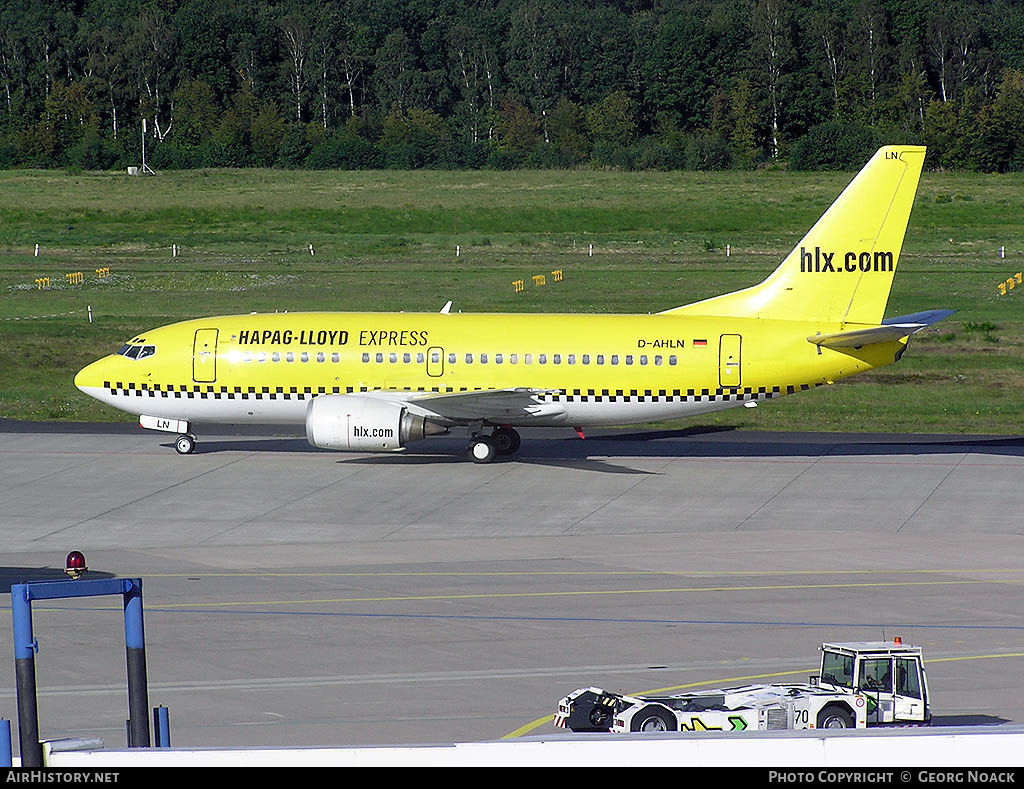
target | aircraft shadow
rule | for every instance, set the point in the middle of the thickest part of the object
(20, 575)
(600, 451)
(457, 457)
(242, 444)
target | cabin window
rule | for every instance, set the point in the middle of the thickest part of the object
(586, 358)
(289, 357)
(556, 358)
(672, 360)
(571, 359)
(657, 361)
(629, 358)
(420, 358)
(335, 357)
(392, 357)
(498, 358)
(513, 358)
(469, 358)
(276, 356)
(527, 358)
(643, 359)
(379, 358)
(600, 358)
(406, 358)
(261, 357)
(615, 358)
(483, 358)
(451, 358)
(542, 358)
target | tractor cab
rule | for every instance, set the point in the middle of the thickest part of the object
(889, 674)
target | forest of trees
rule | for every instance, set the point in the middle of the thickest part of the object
(633, 84)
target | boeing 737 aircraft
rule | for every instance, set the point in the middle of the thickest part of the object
(375, 382)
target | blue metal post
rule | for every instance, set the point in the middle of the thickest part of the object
(25, 674)
(6, 757)
(135, 649)
(161, 727)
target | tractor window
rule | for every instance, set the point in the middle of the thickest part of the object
(837, 669)
(908, 682)
(875, 674)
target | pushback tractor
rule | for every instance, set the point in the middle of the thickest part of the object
(859, 684)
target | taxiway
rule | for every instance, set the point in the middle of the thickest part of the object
(301, 597)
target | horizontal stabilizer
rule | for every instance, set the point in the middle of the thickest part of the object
(891, 330)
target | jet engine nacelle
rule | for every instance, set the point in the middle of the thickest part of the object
(364, 424)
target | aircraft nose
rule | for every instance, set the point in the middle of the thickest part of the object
(91, 376)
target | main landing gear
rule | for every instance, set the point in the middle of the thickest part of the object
(503, 441)
(185, 444)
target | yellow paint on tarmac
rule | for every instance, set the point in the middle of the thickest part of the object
(570, 573)
(574, 593)
(571, 593)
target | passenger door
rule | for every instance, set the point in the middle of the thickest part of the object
(730, 368)
(204, 356)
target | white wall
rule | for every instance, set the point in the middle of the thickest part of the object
(999, 746)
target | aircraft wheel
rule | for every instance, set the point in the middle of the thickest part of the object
(506, 440)
(185, 444)
(482, 449)
(653, 719)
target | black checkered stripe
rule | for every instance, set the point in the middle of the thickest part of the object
(673, 395)
(211, 392)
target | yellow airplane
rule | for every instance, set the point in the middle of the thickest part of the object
(373, 382)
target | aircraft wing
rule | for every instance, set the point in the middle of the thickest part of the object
(495, 405)
(891, 330)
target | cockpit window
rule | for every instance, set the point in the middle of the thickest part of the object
(137, 351)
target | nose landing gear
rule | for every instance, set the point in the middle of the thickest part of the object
(185, 444)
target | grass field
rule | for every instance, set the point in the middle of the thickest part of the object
(387, 241)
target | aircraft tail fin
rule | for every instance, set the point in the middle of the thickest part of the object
(842, 270)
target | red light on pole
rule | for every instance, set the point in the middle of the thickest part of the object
(74, 565)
